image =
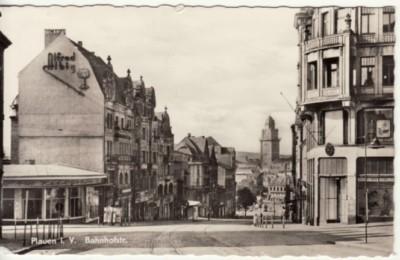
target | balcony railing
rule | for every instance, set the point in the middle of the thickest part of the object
(324, 42)
(372, 38)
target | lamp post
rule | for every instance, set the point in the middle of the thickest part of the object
(375, 144)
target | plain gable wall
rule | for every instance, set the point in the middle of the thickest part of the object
(56, 124)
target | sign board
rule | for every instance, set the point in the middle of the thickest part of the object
(383, 128)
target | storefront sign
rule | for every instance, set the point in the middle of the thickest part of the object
(59, 61)
(383, 128)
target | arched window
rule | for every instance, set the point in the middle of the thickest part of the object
(126, 178)
(121, 178)
(171, 188)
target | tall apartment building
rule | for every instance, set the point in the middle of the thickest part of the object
(74, 110)
(345, 101)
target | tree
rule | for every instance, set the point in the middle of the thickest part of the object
(245, 198)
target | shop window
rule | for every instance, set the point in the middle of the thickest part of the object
(387, 71)
(8, 203)
(55, 199)
(375, 165)
(75, 202)
(375, 122)
(380, 200)
(388, 20)
(34, 207)
(367, 71)
(325, 24)
(331, 73)
(312, 75)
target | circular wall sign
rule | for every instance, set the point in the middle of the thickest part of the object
(329, 149)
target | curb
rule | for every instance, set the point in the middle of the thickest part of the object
(27, 249)
(364, 246)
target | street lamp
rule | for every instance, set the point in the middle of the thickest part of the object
(375, 144)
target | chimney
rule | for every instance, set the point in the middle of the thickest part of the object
(80, 43)
(51, 34)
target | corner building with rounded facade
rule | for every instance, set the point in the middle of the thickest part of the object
(345, 98)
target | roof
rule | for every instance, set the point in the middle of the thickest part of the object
(47, 171)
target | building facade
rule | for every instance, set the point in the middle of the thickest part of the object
(4, 44)
(74, 110)
(345, 100)
(209, 179)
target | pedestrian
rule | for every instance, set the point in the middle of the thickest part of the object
(261, 219)
(255, 219)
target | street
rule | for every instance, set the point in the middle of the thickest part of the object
(224, 237)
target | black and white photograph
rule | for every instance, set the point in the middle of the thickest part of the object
(197, 130)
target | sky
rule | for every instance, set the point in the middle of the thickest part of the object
(219, 71)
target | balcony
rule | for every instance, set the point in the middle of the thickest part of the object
(372, 38)
(324, 42)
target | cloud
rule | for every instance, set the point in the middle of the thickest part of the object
(219, 71)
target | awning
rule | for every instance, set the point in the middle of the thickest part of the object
(49, 175)
(193, 203)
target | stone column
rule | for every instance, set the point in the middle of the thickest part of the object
(66, 203)
(351, 189)
(44, 203)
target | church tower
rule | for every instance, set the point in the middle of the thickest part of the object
(269, 143)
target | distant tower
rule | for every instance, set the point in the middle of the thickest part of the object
(269, 143)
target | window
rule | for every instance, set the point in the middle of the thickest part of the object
(312, 75)
(334, 127)
(144, 133)
(143, 157)
(325, 24)
(336, 21)
(366, 20)
(121, 179)
(375, 165)
(333, 166)
(331, 73)
(116, 122)
(109, 121)
(154, 157)
(375, 122)
(34, 203)
(108, 148)
(367, 71)
(126, 178)
(387, 70)
(388, 20)
(8, 203)
(75, 202)
(55, 198)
